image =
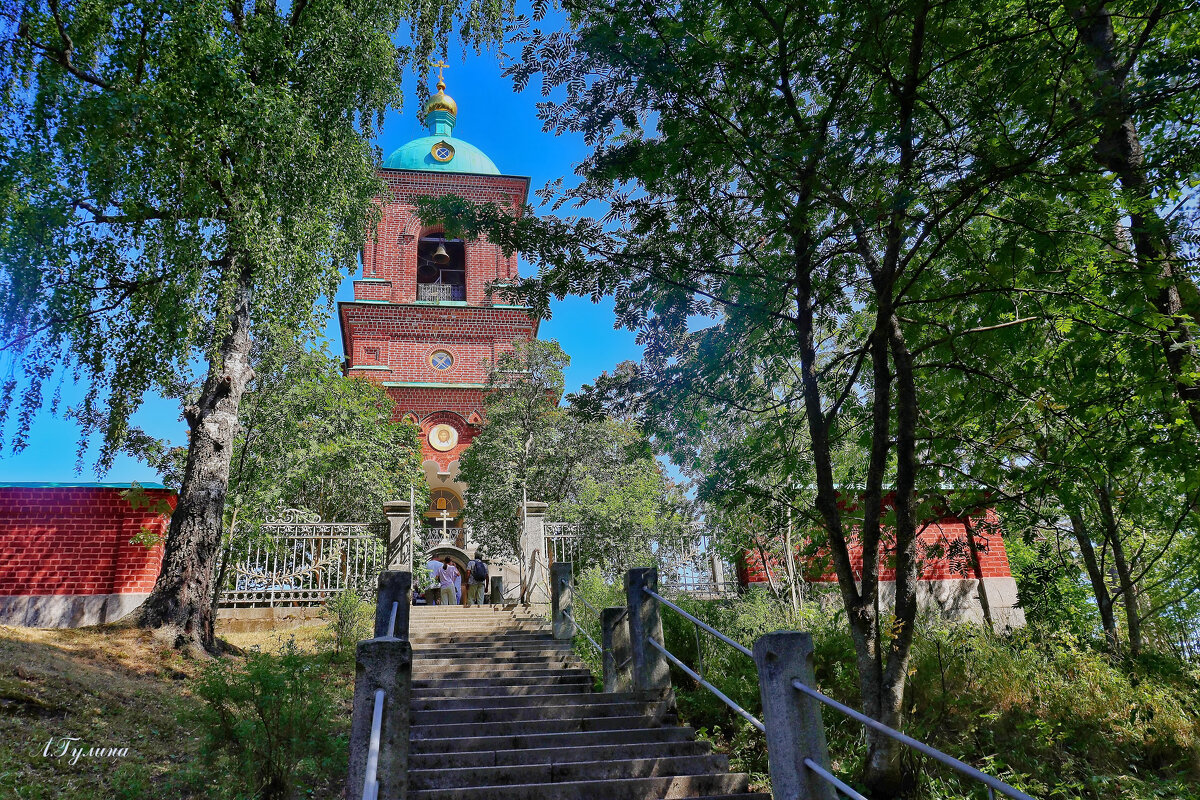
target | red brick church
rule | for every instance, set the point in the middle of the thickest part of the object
(423, 323)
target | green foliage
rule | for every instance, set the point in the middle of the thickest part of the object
(313, 438)
(1051, 591)
(1055, 719)
(270, 722)
(151, 152)
(348, 619)
(593, 470)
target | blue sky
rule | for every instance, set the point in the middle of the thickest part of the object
(502, 124)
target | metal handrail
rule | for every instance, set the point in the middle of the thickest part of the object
(580, 629)
(703, 625)
(993, 784)
(586, 604)
(833, 780)
(370, 782)
(746, 715)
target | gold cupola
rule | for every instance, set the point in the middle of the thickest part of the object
(441, 101)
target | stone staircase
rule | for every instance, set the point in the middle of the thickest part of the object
(501, 710)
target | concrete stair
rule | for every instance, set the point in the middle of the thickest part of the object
(502, 710)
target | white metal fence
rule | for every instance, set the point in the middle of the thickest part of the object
(294, 559)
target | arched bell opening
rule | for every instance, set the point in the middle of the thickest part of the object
(441, 268)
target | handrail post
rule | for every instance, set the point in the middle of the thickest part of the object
(794, 729)
(614, 640)
(394, 587)
(651, 671)
(562, 607)
(383, 663)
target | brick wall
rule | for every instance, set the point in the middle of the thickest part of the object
(942, 551)
(390, 255)
(75, 540)
(389, 337)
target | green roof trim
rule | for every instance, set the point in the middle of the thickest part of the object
(60, 485)
(430, 385)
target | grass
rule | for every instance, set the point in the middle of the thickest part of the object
(117, 688)
(1052, 715)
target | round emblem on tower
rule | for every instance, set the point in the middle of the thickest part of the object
(442, 151)
(443, 437)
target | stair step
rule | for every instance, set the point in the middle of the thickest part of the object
(496, 657)
(525, 774)
(456, 730)
(559, 755)
(521, 701)
(496, 679)
(592, 709)
(658, 788)
(492, 647)
(483, 669)
(478, 693)
(525, 742)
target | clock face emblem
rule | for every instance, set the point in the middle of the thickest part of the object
(442, 151)
(443, 437)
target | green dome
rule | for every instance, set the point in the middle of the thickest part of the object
(440, 151)
(418, 154)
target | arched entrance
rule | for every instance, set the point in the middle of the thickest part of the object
(456, 555)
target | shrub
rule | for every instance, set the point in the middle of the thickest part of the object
(271, 720)
(1047, 713)
(348, 619)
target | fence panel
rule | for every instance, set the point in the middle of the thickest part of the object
(297, 560)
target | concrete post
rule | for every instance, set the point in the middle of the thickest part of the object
(394, 587)
(718, 571)
(793, 720)
(533, 552)
(382, 664)
(400, 540)
(651, 670)
(562, 603)
(497, 595)
(614, 639)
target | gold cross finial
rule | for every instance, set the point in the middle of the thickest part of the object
(441, 65)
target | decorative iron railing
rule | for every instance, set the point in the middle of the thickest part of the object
(441, 292)
(294, 559)
(686, 563)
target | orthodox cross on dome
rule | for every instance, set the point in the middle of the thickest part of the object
(441, 65)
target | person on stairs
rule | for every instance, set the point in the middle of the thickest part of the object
(446, 577)
(477, 578)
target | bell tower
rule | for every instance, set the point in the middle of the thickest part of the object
(422, 322)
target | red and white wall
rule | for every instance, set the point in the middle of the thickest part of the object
(66, 553)
(951, 582)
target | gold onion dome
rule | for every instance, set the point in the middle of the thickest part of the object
(441, 101)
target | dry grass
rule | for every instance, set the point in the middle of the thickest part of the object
(111, 687)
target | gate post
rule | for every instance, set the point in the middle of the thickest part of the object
(400, 534)
(394, 587)
(651, 671)
(614, 639)
(379, 722)
(533, 552)
(562, 607)
(794, 729)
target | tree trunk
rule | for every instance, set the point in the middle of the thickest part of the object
(1104, 601)
(179, 607)
(1119, 150)
(973, 548)
(1133, 621)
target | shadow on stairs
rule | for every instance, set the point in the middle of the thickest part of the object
(502, 710)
